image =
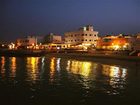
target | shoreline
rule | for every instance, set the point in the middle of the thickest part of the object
(123, 61)
(96, 56)
(75, 54)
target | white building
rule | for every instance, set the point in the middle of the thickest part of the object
(84, 36)
(27, 41)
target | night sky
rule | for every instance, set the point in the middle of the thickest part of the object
(19, 18)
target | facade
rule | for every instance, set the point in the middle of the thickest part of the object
(27, 41)
(30, 42)
(115, 43)
(53, 46)
(84, 36)
(52, 38)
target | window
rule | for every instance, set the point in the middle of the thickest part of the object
(82, 34)
(85, 39)
(90, 35)
(90, 40)
(85, 34)
(94, 35)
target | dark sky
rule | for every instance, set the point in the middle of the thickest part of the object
(19, 18)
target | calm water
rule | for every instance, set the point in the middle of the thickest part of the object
(64, 81)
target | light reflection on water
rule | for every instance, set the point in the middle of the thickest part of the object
(88, 77)
(78, 67)
(32, 68)
(90, 71)
(2, 67)
(13, 66)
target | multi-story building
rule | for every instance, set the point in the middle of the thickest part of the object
(30, 42)
(52, 38)
(27, 41)
(115, 43)
(84, 36)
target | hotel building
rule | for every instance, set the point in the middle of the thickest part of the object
(84, 36)
(118, 42)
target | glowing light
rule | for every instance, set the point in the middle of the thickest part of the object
(13, 66)
(78, 67)
(86, 44)
(124, 72)
(52, 68)
(58, 64)
(11, 46)
(116, 47)
(114, 71)
(32, 65)
(2, 67)
(68, 65)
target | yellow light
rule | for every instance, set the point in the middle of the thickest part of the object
(32, 65)
(78, 67)
(52, 69)
(87, 44)
(116, 47)
(13, 66)
(3, 67)
(114, 71)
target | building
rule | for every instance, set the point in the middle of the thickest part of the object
(27, 41)
(54, 47)
(30, 42)
(52, 38)
(115, 43)
(136, 43)
(85, 36)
